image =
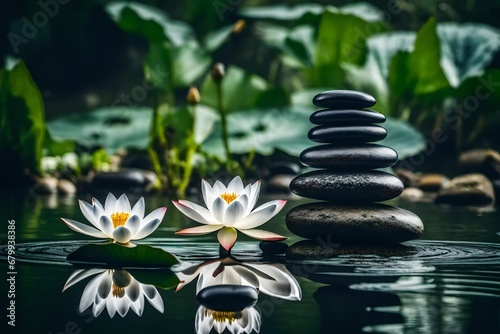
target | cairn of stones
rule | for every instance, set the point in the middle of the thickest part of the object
(347, 180)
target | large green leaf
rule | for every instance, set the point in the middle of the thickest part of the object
(267, 130)
(466, 50)
(151, 23)
(341, 39)
(168, 67)
(117, 256)
(22, 122)
(240, 91)
(111, 127)
(372, 76)
(419, 73)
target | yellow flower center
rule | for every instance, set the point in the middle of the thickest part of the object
(229, 197)
(119, 218)
(117, 291)
(223, 316)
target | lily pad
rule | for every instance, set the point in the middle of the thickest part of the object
(112, 128)
(117, 256)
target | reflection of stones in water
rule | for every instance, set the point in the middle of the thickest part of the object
(351, 311)
(227, 297)
(310, 249)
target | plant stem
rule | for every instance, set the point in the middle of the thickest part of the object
(225, 139)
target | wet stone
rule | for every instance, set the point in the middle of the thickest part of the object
(342, 99)
(469, 189)
(373, 223)
(347, 134)
(127, 179)
(354, 187)
(347, 116)
(333, 157)
(227, 297)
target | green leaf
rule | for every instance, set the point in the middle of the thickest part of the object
(117, 256)
(215, 39)
(164, 279)
(56, 147)
(22, 122)
(240, 90)
(281, 12)
(341, 39)
(151, 23)
(158, 65)
(419, 73)
(466, 50)
(189, 64)
(373, 75)
(111, 127)
(403, 138)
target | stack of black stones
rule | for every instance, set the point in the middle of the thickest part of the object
(348, 179)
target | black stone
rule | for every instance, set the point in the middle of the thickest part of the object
(347, 134)
(272, 247)
(347, 116)
(373, 223)
(341, 99)
(227, 297)
(367, 156)
(355, 187)
(132, 180)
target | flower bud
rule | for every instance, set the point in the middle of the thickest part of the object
(193, 95)
(239, 26)
(218, 72)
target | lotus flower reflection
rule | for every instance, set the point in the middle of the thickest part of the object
(271, 279)
(117, 220)
(116, 290)
(229, 209)
(246, 321)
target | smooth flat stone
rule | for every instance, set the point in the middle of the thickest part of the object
(374, 223)
(354, 187)
(346, 116)
(367, 156)
(469, 189)
(347, 134)
(341, 99)
(227, 297)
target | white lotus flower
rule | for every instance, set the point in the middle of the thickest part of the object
(116, 220)
(116, 290)
(271, 279)
(230, 209)
(246, 321)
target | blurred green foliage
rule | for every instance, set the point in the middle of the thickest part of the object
(429, 78)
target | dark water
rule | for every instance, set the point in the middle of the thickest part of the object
(446, 282)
